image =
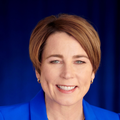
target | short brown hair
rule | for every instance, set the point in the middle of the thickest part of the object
(73, 25)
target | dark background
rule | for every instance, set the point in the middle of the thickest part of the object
(18, 18)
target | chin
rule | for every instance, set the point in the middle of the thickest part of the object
(67, 102)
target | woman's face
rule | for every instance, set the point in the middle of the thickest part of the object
(66, 71)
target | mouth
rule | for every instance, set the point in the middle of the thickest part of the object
(66, 89)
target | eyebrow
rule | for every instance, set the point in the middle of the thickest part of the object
(60, 56)
(55, 55)
(79, 56)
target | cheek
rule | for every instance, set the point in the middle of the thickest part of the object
(84, 81)
(45, 80)
(47, 74)
(84, 76)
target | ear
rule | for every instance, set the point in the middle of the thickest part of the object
(93, 75)
(37, 74)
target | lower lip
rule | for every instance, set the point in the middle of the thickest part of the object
(66, 91)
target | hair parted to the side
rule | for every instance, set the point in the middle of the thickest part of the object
(73, 25)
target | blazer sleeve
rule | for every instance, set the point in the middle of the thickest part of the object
(15, 112)
(1, 116)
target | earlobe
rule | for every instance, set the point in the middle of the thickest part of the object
(92, 77)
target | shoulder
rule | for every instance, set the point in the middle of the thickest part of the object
(99, 113)
(14, 112)
(106, 114)
(33, 110)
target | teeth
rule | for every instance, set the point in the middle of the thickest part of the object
(66, 88)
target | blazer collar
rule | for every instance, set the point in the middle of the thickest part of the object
(38, 108)
(88, 111)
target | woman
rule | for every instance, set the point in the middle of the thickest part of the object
(65, 52)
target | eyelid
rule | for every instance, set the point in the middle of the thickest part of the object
(80, 61)
(55, 61)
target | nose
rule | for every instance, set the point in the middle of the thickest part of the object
(67, 71)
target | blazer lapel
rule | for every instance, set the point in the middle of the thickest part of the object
(88, 111)
(37, 107)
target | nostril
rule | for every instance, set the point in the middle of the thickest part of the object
(66, 75)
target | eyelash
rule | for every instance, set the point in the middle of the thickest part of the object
(80, 62)
(57, 62)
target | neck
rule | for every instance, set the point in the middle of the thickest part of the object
(56, 111)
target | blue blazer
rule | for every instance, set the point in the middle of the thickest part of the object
(36, 110)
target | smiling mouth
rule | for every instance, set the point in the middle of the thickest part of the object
(67, 88)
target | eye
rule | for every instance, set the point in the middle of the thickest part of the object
(55, 61)
(79, 62)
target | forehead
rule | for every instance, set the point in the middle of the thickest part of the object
(62, 43)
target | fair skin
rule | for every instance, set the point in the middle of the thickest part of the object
(66, 74)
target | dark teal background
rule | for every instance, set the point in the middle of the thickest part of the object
(18, 18)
